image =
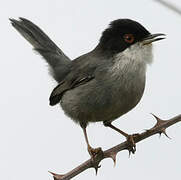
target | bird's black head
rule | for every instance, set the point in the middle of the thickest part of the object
(121, 34)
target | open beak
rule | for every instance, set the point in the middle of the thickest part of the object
(152, 38)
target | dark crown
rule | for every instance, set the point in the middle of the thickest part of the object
(111, 38)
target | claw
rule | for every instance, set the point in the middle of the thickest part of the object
(132, 145)
(94, 153)
(56, 176)
(131, 151)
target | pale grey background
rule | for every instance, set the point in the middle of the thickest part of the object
(36, 138)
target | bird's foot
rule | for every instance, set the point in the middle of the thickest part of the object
(131, 143)
(94, 152)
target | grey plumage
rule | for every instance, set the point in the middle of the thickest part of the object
(114, 90)
(59, 63)
(103, 84)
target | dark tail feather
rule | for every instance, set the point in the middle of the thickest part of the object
(57, 60)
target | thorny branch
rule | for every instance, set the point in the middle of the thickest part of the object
(158, 128)
(170, 6)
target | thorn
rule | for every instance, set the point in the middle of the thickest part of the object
(158, 123)
(96, 168)
(56, 176)
(166, 135)
(163, 131)
(113, 157)
(157, 118)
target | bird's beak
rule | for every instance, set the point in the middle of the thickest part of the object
(152, 38)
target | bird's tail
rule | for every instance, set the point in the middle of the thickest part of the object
(58, 61)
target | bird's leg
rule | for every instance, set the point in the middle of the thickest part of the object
(129, 138)
(93, 152)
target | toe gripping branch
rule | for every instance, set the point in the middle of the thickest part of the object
(95, 160)
(159, 128)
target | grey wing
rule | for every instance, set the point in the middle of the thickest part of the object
(58, 61)
(64, 86)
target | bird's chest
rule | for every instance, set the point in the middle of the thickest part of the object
(111, 94)
(126, 83)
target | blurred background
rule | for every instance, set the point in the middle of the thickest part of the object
(36, 138)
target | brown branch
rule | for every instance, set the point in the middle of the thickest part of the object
(159, 128)
(170, 6)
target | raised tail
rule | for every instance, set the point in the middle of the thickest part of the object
(58, 61)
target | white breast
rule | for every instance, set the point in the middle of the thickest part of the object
(134, 58)
(130, 66)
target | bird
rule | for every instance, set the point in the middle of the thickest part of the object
(103, 84)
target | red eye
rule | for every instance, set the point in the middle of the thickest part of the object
(129, 38)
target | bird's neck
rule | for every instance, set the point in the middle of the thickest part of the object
(131, 63)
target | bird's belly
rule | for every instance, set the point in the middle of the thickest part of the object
(96, 102)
